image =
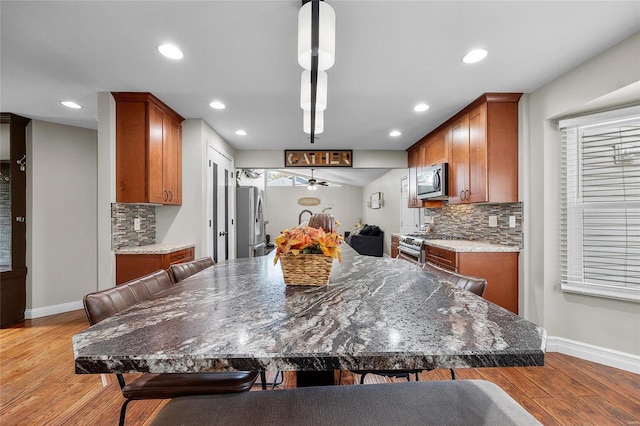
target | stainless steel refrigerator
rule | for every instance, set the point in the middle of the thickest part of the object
(250, 215)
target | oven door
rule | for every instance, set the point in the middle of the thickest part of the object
(410, 254)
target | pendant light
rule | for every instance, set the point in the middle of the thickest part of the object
(327, 36)
(321, 91)
(306, 122)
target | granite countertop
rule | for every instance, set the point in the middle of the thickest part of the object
(155, 248)
(471, 246)
(375, 313)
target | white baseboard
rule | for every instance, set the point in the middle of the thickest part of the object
(53, 310)
(610, 357)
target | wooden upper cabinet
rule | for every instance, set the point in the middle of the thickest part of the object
(480, 143)
(459, 160)
(484, 152)
(478, 175)
(148, 150)
(436, 149)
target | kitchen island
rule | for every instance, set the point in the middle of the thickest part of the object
(375, 313)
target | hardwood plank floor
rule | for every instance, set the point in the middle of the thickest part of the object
(38, 385)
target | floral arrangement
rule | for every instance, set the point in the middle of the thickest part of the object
(308, 240)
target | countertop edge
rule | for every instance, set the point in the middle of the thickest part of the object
(461, 246)
(164, 248)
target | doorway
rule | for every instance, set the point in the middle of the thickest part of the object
(220, 202)
(13, 212)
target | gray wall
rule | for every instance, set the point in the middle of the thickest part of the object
(61, 214)
(601, 322)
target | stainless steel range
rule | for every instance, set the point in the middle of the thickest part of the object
(410, 248)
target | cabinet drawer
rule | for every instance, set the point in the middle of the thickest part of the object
(180, 256)
(441, 257)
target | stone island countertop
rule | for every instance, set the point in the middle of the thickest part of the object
(155, 248)
(375, 313)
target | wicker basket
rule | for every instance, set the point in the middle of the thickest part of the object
(306, 269)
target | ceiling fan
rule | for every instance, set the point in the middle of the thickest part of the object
(313, 183)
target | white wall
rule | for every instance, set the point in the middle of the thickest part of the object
(61, 215)
(282, 208)
(188, 223)
(387, 217)
(604, 323)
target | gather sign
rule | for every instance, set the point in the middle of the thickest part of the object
(318, 158)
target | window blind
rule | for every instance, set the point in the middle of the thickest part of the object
(600, 204)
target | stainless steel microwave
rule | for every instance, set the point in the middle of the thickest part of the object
(433, 182)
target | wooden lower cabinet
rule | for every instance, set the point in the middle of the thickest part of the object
(395, 241)
(132, 266)
(500, 269)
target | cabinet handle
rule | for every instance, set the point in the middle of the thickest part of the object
(462, 195)
(166, 195)
(170, 196)
(466, 194)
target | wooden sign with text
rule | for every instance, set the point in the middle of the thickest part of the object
(322, 158)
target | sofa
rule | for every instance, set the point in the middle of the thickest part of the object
(367, 240)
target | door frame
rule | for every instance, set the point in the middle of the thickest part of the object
(231, 218)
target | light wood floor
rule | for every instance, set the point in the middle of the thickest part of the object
(38, 385)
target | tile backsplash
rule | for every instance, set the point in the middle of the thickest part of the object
(471, 221)
(123, 233)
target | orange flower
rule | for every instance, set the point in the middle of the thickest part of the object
(308, 240)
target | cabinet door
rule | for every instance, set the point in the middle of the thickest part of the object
(478, 155)
(501, 272)
(155, 153)
(436, 149)
(459, 164)
(413, 178)
(172, 161)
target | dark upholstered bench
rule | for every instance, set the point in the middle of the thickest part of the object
(460, 402)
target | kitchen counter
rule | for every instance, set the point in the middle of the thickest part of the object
(200, 324)
(471, 246)
(155, 248)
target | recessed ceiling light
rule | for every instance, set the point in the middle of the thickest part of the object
(217, 105)
(421, 107)
(241, 133)
(170, 51)
(474, 56)
(395, 133)
(71, 104)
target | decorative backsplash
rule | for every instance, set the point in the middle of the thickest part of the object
(123, 233)
(471, 221)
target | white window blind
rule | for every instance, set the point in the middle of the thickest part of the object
(601, 204)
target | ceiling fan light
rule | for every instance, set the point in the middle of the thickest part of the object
(326, 39)
(321, 91)
(306, 122)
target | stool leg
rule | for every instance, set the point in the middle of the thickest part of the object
(123, 411)
(263, 379)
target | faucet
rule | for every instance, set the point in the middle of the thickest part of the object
(326, 208)
(301, 213)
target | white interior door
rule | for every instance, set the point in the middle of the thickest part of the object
(220, 210)
(410, 220)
